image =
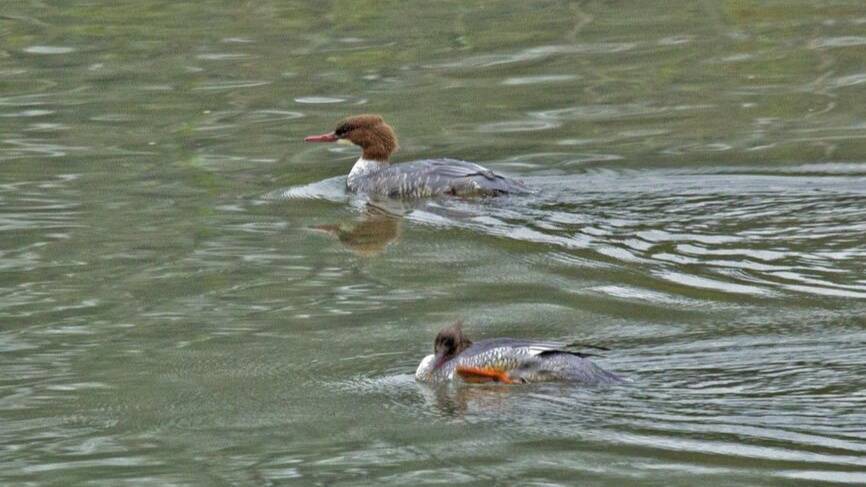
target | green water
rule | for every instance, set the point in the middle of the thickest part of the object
(188, 296)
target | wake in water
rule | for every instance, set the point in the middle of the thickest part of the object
(729, 232)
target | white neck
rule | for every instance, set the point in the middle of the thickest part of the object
(364, 167)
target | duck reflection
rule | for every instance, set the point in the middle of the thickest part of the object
(380, 222)
(457, 400)
(494, 400)
(368, 235)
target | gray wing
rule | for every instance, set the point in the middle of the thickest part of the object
(538, 361)
(560, 365)
(532, 345)
(440, 176)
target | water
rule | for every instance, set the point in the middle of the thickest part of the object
(188, 296)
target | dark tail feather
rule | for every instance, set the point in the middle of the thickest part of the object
(496, 184)
(569, 352)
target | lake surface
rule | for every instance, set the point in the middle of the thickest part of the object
(189, 297)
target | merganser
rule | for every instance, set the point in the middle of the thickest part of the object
(373, 174)
(507, 360)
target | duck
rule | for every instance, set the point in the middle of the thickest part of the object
(374, 175)
(508, 361)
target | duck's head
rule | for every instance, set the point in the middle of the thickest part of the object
(369, 132)
(449, 343)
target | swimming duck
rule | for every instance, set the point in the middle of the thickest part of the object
(507, 360)
(373, 174)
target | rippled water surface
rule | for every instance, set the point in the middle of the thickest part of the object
(189, 297)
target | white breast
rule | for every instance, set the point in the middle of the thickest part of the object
(363, 167)
(425, 368)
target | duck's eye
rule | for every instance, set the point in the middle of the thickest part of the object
(449, 342)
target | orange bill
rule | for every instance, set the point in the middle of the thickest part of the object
(477, 375)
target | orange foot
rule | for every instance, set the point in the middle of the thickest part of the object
(477, 375)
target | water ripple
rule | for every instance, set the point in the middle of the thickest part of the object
(739, 242)
(540, 52)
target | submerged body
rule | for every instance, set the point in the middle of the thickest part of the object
(507, 360)
(373, 174)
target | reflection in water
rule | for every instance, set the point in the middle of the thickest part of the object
(456, 400)
(369, 234)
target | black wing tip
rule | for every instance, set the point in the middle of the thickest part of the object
(569, 352)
